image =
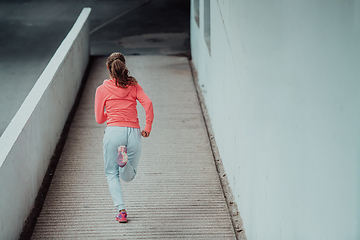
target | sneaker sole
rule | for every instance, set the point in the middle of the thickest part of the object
(122, 156)
(122, 221)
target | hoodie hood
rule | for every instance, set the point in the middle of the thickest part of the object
(117, 91)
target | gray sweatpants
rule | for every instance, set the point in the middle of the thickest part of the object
(113, 138)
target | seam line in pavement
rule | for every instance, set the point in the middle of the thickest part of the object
(119, 16)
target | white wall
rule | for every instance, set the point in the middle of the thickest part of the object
(29, 141)
(282, 88)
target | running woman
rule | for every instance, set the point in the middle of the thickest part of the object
(115, 103)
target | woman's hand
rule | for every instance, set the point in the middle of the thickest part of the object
(145, 133)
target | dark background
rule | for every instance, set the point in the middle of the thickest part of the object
(31, 31)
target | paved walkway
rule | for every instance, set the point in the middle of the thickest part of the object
(176, 193)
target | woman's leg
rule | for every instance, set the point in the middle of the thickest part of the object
(128, 172)
(113, 138)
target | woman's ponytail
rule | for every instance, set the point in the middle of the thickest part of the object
(119, 71)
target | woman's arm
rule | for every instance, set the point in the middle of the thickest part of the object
(148, 106)
(100, 113)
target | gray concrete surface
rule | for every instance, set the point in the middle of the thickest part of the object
(32, 30)
(177, 192)
(32, 137)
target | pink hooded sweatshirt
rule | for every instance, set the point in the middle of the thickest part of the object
(117, 105)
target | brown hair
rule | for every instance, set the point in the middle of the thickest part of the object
(119, 71)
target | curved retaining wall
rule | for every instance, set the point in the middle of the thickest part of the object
(29, 141)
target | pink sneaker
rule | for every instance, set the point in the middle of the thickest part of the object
(122, 157)
(121, 217)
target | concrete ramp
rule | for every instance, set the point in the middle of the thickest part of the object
(176, 193)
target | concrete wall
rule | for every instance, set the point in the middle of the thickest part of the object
(282, 87)
(29, 141)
